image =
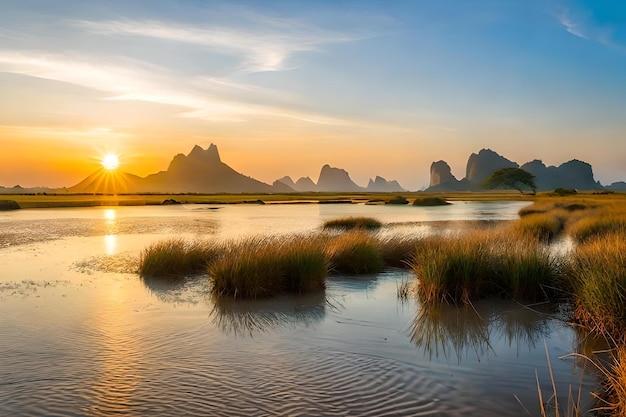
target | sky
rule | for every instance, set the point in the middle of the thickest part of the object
(284, 87)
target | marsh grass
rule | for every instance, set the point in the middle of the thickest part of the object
(540, 226)
(349, 223)
(524, 269)
(176, 258)
(397, 251)
(430, 202)
(258, 267)
(468, 266)
(598, 271)
(355, 252)
(452, 268)
(598, 225)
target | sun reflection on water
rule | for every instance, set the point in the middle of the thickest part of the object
(110, 244)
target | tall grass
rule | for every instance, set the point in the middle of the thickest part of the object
(598, 272)
(349, 223)
(355, 252)
(258, 267)
(597, 225)
(541, 226)
(464, 267)
(452, 268)
(176, 258)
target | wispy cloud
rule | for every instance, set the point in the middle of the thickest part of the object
(573, 27)
(583, 26)
(265, 47)
(138, 81)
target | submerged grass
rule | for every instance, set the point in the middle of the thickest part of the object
(349, 223)
(176, 258)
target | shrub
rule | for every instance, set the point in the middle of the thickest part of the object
(398, 200)
(9, 205)
(565, 191)
(430, 201)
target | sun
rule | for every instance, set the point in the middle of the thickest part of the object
(110, 161)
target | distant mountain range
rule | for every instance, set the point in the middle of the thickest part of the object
(202, 171)
(573, 174)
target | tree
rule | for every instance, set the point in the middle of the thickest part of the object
(514, 178)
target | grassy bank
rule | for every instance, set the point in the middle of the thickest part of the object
(60, 199)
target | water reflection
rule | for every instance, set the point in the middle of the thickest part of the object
(452, 331)
(251, 317)
(110, 244)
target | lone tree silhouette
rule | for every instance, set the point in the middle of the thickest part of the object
(511, 178)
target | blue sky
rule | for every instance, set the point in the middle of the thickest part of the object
(283, 87)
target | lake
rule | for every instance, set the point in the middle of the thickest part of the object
(82, 334)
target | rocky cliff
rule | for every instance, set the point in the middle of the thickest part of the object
(381, 185)
(572, 174)
(333, 179)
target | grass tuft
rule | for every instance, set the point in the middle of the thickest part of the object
(176, 258)
(258, 267)
(349, 223)
(355, 252)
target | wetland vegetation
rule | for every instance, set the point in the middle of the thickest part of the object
(514, 260)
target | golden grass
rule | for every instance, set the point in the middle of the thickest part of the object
(258, 267)
(355, 252)
(471, 265)
(176, 258)
(349, 223)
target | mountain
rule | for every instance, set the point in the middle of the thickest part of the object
(617, 186)
(379, 184)
(107, 182)
(335, 179)
(441, 178)
(305, 184)
(572, 174)
(480, 166)
(18, 189)
(200, 171)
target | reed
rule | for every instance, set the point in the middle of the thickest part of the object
(258, 267)
(464, 267)
(397, 251)
(540, 226)
(525, 269)
(598, 274)
(599, 224)
(176, 258)
(349, 223)
(355, 252)
(452, 268)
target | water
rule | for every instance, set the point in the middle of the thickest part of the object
(82, 334)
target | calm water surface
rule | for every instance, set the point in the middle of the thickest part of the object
(82, 334)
